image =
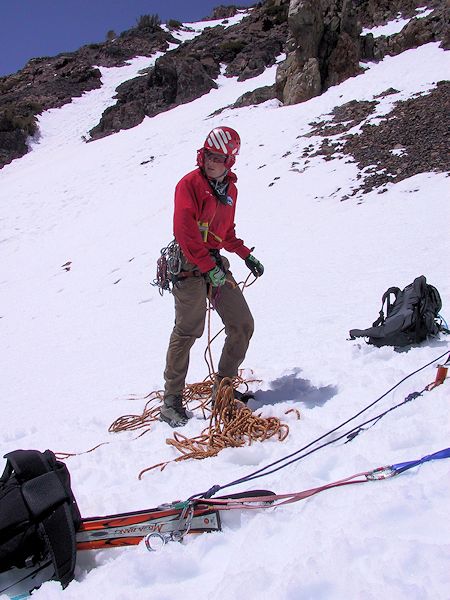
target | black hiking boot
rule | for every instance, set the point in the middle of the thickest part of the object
(237, 395)
(173, 411)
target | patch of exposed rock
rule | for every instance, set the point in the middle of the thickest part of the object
(170, 83)
(378, 12)
(419, 31)
(222, 12)
(323, 48)
(345, 117)
(411, 139)
(258, 96)
(51, 82)
(189, 71)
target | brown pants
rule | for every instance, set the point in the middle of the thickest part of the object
(190, 311)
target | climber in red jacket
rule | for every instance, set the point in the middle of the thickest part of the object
(205, 204)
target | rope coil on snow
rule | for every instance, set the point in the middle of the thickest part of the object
(231, 425)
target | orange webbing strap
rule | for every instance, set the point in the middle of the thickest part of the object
(441, 375)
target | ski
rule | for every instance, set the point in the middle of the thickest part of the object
(128, 529)
(123, 529)
(167, 522)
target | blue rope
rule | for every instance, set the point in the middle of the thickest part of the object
(404, 466)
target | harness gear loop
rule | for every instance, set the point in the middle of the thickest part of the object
(168, 267)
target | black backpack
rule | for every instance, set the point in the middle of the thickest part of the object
(410, 319)
(39, 516)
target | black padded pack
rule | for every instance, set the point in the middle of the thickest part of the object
(39, 516)
(410, 318)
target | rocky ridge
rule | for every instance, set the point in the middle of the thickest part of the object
(419, 31)
(190, 70)
(321, 38)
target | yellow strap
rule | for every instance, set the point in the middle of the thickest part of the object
(204, 228)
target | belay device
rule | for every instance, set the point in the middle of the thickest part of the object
(410, 319)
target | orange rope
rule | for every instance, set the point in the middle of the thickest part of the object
(231, 422)
(231, 425)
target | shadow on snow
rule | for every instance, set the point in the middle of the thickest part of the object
(292, 387)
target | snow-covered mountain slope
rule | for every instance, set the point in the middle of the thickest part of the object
(78, 343)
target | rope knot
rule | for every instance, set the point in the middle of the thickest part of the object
(211, 491)
(412, 396)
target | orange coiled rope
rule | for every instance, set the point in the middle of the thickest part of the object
(231, 425)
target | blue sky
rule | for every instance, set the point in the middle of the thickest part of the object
(32, 28)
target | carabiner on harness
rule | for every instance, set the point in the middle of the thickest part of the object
(168, 267)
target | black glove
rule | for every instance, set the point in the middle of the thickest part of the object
(254, 265)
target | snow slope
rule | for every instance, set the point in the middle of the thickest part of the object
(81, 347)
(396, 25)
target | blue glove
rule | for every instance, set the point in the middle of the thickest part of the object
(254, 265)
(216, 277)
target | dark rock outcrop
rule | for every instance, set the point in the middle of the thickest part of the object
(378, 12)
(222, 12)
(14, 132)
(171, 82)
(262, 94)
(419, 31)
(188, 72)
(323, 45)
(42, 84)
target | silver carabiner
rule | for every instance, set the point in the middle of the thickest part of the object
(155, 541)
(381, 473)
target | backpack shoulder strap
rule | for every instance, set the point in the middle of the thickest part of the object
(386, 298)
(26, 464)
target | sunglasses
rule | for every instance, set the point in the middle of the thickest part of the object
(213, 157)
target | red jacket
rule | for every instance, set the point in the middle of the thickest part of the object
(202, 223)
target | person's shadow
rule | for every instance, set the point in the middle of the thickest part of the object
(292, 387)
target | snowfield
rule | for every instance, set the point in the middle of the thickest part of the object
(83, 346)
